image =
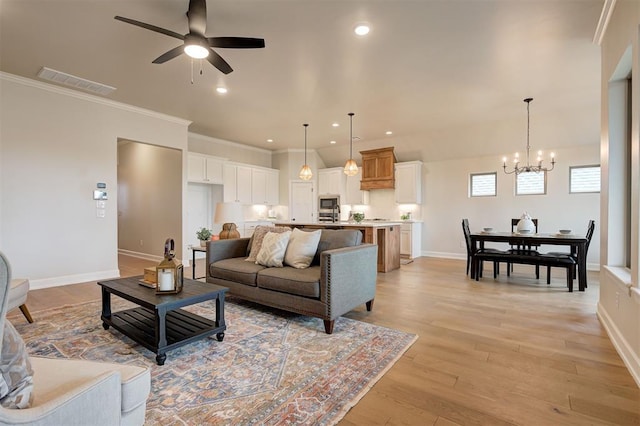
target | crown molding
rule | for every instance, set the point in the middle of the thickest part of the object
(91, 98)
(229, 143)
(603, 23)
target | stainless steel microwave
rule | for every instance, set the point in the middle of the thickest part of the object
(328, 203)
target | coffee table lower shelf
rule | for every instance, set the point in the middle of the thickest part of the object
(182, 327)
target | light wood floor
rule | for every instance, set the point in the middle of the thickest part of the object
(499, 352)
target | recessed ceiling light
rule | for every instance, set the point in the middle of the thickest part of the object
(332, 142)
(335, 124)
(388, 132)
(361, 29)
(221, 90)
(269, 140)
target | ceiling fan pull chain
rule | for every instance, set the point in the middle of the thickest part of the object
(200, 60)
(191, 70)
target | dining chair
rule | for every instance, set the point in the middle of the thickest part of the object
(590, 229)
(467, 239)
(530, 249)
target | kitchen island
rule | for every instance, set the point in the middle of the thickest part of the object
(385, 234)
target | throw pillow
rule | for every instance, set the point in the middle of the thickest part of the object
(274, 245)
(302, 247)
(16, 375)
(258, 237)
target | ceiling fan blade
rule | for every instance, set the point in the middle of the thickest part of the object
(217, 61)
(150, 27)
(197, 16)
(236, 42)
(167, 56)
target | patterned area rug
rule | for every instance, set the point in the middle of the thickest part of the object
(273, 367)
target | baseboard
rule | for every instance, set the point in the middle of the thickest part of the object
(145, 256)
(73, 279)
(625, 351)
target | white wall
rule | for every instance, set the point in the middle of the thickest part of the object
(619, 304)
(56, 145)
(446, 202)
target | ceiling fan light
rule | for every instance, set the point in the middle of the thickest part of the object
(305, 172)
(196, 51)
(351, 168)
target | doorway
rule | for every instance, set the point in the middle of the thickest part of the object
(302, 202)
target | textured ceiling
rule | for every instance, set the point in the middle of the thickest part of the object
(447, 77)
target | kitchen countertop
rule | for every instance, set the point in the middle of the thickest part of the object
(363, 224)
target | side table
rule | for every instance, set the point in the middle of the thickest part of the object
(195, 249)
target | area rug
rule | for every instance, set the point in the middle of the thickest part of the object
(272, 367)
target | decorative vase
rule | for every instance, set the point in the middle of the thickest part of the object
(526, 225)
(203, 243)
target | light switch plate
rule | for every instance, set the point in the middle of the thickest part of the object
(100, 212)
(101, 204)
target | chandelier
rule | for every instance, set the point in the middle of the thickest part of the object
(517, 168)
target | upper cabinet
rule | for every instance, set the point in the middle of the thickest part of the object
(332, 181)
(353, 193)
(204, 169)
(246, 184)
(377, 169)
(265, 186)
(409, 182)
(237, 183)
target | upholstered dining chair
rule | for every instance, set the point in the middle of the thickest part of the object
(590, 229)
(64, 391)
(18, 290)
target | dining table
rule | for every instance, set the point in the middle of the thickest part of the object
(576, 243)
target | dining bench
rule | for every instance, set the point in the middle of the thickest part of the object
(555, 261)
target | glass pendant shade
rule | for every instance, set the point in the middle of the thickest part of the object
(350, 167)
(305, 171)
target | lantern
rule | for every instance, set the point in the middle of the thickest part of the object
(169, 272)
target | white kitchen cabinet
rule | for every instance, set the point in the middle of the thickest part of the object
(204, 169)
(332, 181)
(265, 186)
(409, 182)
(353, 194)
(410, 239)
(237, 183)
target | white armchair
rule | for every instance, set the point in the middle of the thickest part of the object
(77, 392)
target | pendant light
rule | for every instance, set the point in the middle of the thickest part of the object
(351, 168)
(305, 171)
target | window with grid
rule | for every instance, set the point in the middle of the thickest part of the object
(584, 179)
(531, 183)
(483, 184)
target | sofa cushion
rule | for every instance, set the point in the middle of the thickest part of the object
(235, 269)
(301, 282)
(302, 247)
(336, 238)
(274, 246)
(258, 236)
(16, 378)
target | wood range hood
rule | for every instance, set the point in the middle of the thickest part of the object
(378, 169)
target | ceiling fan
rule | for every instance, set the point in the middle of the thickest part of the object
(196, 44)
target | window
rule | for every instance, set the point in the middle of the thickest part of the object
(584, 179)
(483, 184)
(531, 183)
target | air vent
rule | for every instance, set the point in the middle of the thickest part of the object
(75, 82)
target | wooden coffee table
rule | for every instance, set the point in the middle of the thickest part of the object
(157, 323)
